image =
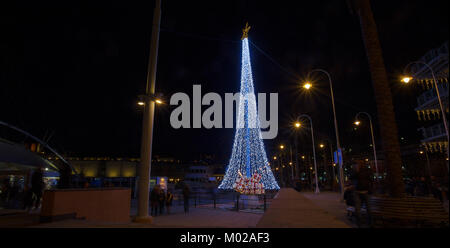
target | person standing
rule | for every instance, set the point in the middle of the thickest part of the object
(37, 186)
(169, 198)
(28, 199)
(362, 183)
(5, 190)
(161, 200)
(186, 195)
(154, 197)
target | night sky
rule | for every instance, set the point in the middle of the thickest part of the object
(75, 69)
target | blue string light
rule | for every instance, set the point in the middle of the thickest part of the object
(248, 154)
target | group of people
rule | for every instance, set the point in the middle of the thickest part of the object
(30, 196)
(419, 186)
(160, 200)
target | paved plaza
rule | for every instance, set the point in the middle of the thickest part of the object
(296, 210)
(288, 209)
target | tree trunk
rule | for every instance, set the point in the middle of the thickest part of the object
(385, 109)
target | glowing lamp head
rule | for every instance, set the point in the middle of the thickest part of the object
(290, 163)
(303, 157)
(275, 158)
(282, 147)
(421, 152)
(357, 123)
(321, 145)
(307, 85)
(158, 101)
(141, 103)
(406, 79)
(298, 124)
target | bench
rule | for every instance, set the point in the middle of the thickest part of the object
(408, 212)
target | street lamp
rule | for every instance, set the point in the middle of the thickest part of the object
(332, 162)
(149, 98)
(314, 151)
(148, 122)
(408, 78)
(297, 125)
(307, 85)
(281, 164)
(357, 122)
(341, 170)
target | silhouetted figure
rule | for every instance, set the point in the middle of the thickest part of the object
(349, 196)
(409, 187)
(362, 183)
(186, 195)
(65, 176)
(13, 196)
(85, 185)
(161, 200)
(154, 197)
(169, 199)
(37, 186)
(5, 191)
(28, 198)
(421, 187)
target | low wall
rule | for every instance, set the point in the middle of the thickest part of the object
(96, 204)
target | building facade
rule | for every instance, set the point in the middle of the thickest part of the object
(428, 108)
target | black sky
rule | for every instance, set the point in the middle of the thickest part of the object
(74, 69)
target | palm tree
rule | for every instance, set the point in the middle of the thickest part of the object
(383, 97)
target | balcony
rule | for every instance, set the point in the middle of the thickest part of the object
(434, 132)
(436, 58)
(429, 97)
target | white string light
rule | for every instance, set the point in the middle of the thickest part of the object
(248, 154)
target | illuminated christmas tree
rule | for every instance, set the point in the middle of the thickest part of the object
(248, 159)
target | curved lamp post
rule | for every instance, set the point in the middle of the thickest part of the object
(307, 86)
(298, 125)
(357, 122)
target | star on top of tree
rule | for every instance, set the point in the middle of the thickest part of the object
(245, 31)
